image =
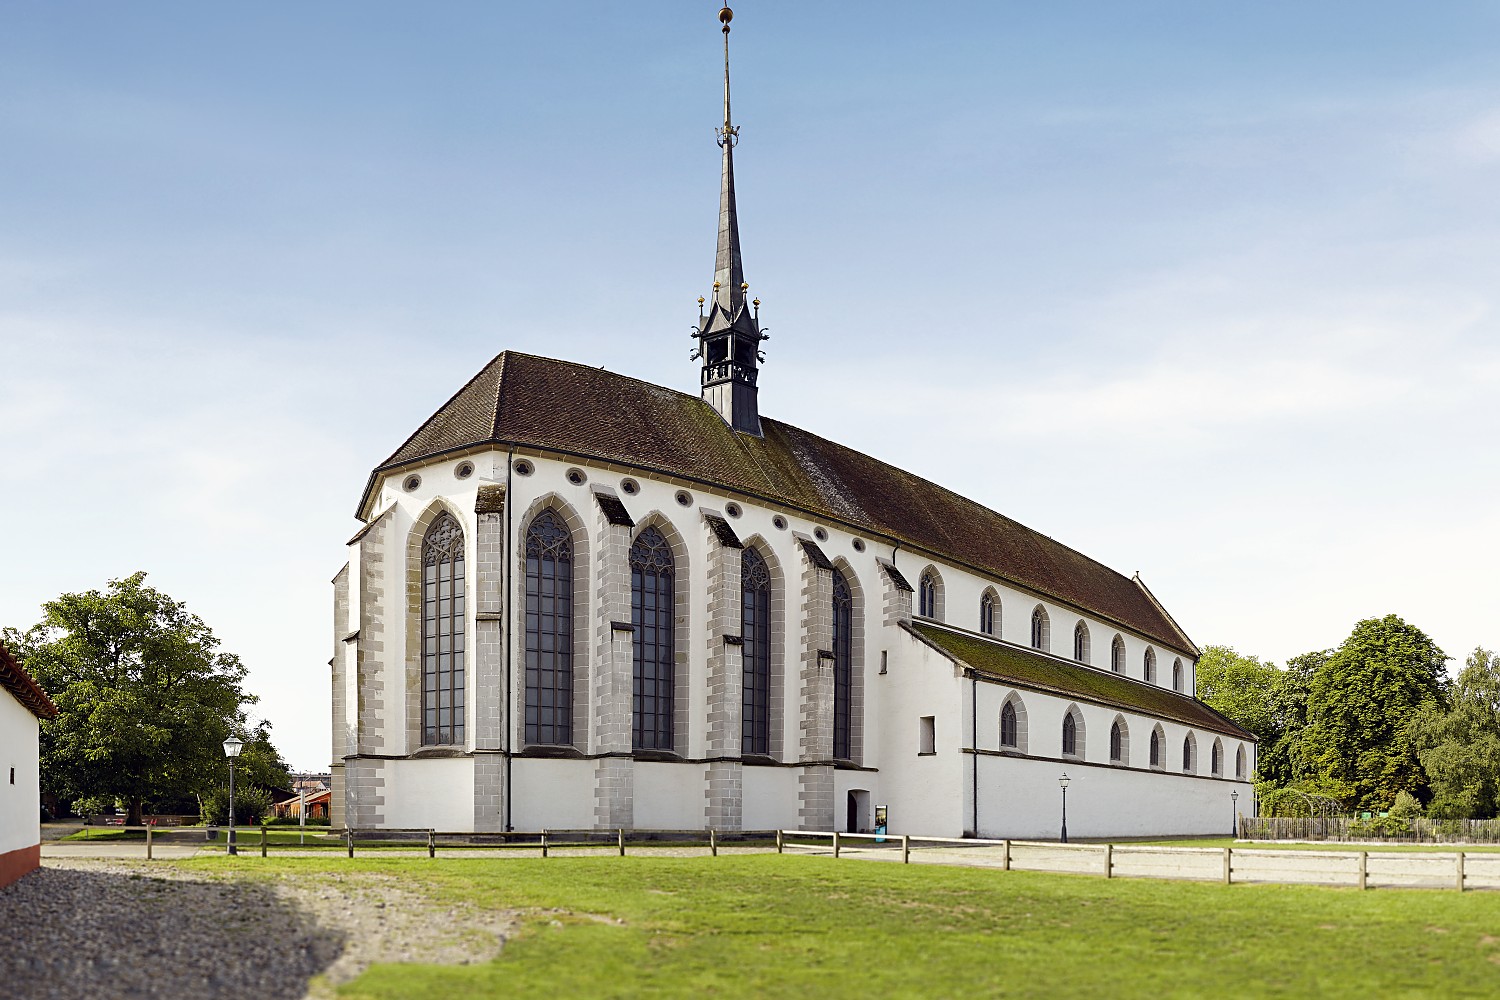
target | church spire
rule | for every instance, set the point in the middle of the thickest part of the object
(729, 335)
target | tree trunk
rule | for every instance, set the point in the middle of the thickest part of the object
(134, 816)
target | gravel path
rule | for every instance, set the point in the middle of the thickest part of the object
(132, 930)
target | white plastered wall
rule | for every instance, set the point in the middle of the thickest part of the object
(20, 811)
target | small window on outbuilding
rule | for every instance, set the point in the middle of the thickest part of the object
(927, 735)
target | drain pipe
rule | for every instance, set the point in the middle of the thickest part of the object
(974, 739)
(507, 617)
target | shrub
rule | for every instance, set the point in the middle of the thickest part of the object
(250, 804)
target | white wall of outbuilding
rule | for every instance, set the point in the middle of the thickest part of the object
(20, 809)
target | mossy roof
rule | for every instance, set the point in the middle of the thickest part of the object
(527, 401)
(15, 679)
(1044, 673)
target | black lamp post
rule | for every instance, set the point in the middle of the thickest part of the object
(232, 748)
(1063, 784)
(1234, 813)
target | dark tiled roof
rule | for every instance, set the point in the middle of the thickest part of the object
(15, 679)
(527, 401)
(1043, 673)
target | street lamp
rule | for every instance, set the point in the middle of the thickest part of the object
(1234, 813)
(232, 748)
(1063, 783)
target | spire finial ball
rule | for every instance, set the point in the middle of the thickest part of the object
(725, 16)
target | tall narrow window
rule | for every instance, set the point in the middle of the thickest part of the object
(928, 596)
(1189, 753)
(1081, 642)
(1117, 656)
(1148, 667)
(549, 631)
(1041, 629)
(843, 666)
(755, 628)
(1215, 759)
(1239, 763)
(987, 614)
(1008, 726)
(653, 606)
(1177, 675)
(443, 632)
(1116, 744)
(1156, 739)
(1069, 736)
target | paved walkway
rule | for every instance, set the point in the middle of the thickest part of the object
(129, 849)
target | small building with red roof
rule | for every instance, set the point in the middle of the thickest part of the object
(23, 704)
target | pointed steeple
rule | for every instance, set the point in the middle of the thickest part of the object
(730, 333)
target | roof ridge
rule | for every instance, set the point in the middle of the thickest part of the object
(444, 408)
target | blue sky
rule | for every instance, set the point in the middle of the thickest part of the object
(1203, 290)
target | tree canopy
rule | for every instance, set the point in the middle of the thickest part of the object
(145, 695)
(1460, 747)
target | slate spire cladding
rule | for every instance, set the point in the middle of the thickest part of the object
(730, 333)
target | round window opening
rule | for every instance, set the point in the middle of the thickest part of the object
(820, 534)
(779, 522)
(684, 498)
(523, 468)
(576, 477)
(859, 545)
(732, 509)
(630, 487)
(410, 483)
(464, 470)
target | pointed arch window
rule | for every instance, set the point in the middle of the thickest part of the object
(1177, 674)
(549, 630)
(1216, 759)
(1116, 744)
(443, 632)
(1013, 724)
(755, 629)
(843, 667)
(987, 614)
(1156, 747)
(1081, 643)
(1069, 736)
(1148, 667)
(1117, 655)
(929, 595)
(1189, 754)
(653, 609)
(1239, 763)
(1041, 629)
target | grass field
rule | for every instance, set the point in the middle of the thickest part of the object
(788, 926)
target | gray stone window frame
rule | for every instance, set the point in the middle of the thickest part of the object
(682, 702)
(1119, 741)
(1158, 756)
(1041, 629)
(1015, 707)
(856, 675)
(550, 628)
(1117, 655)
(444, 588)
(1082, 646)
(989, 612)
(582, 574)
(1190, 754)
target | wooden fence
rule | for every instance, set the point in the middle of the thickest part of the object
(1361, 869)
(1344, 829)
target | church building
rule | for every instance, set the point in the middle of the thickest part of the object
(581, 601)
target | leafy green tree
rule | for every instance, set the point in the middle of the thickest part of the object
(1241, 687)
(1460, 747)
(146, 697)
(1280, 761)
(1359, 704)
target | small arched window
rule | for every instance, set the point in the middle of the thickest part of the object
(1073, 733)
(1117, 655)
(1041, 629)
(1013, 724)
(1239, 763)
(443, 632)
(1189, 754)
(928, 587)
(1177, 674)
(1148, 666)
(1081, 642)
(549, 630)
(1216, 759)
(987, 605)
(1157, 740)
(1116, 744)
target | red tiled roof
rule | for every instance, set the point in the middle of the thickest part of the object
(559, 406)
(15, 679)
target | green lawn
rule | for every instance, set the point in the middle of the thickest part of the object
(789, 926)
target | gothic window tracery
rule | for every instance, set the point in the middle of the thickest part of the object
(987, 605)
(549, 631)
(755, 629)
(1081, 642)
(843, 667)
(443, 632)
(1041, 629)
(929, 587)
(1117, 656)
(653, 607)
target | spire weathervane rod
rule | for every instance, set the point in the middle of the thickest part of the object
(728, 133)
(729, 272)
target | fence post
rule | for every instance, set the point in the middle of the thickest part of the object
(779, 846)
(713, 842)
(1005, 856)
(835, 843)
(1460, 885)
(148, 843)
(1364, 869)
(1109, 860)
(906, 848)
(544, 843)
(349, 836)
(432, 843)
(622, 841)
(263, 840)
(1228, 866)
